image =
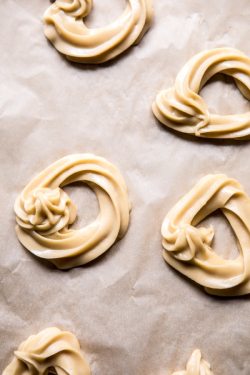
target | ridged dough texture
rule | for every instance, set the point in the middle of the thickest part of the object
(65, 28)
(187, 248)
(44, 212)
(51, 351)
(196, 366)
(183, 109)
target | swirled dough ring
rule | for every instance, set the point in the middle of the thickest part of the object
(196, 366)
(44, 211)
(65, 28)
(187, 248)
(183, 109)
(50, 351)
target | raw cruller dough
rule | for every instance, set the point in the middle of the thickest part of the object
(65, 28)
(183, 109)
(187, 248)
(49, 352)
(44, 211)
(196, 366)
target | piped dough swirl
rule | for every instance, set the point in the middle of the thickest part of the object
(196, 366)
(66, 30)
(188, 248)
(183, 109)
(51, 351)
(44, 212)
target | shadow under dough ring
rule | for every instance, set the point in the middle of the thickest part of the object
(187, 247)
(66, 30)
(183, 109)
(50, 351)
(44, 212)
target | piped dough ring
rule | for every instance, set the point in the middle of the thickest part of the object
(65, 28)
(196, 365)
(187, 248)
(44, 211)
(50, 351)
(183, 109)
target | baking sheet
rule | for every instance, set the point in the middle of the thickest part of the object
(130, 311)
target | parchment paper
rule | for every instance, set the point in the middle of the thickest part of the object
(132, 314)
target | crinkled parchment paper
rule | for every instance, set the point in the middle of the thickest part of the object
(132, 314)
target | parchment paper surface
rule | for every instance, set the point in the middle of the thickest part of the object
(132, 314)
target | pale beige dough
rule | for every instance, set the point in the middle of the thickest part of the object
(183, 109)
(44, 212)
(65, 28)
(187, 248)
(50, 351)
(196, 366)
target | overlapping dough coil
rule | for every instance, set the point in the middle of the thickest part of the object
(187, 247)
(65, 28)
(51, 351)
(44, 212)
(183, 109)
(196, 366)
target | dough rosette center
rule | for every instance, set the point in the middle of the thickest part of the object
(75, 8)
(46, 210)
(188, 242)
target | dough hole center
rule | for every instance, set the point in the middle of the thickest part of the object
(99, 17)
(224, 242)
(86, 201)
(221, 92)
